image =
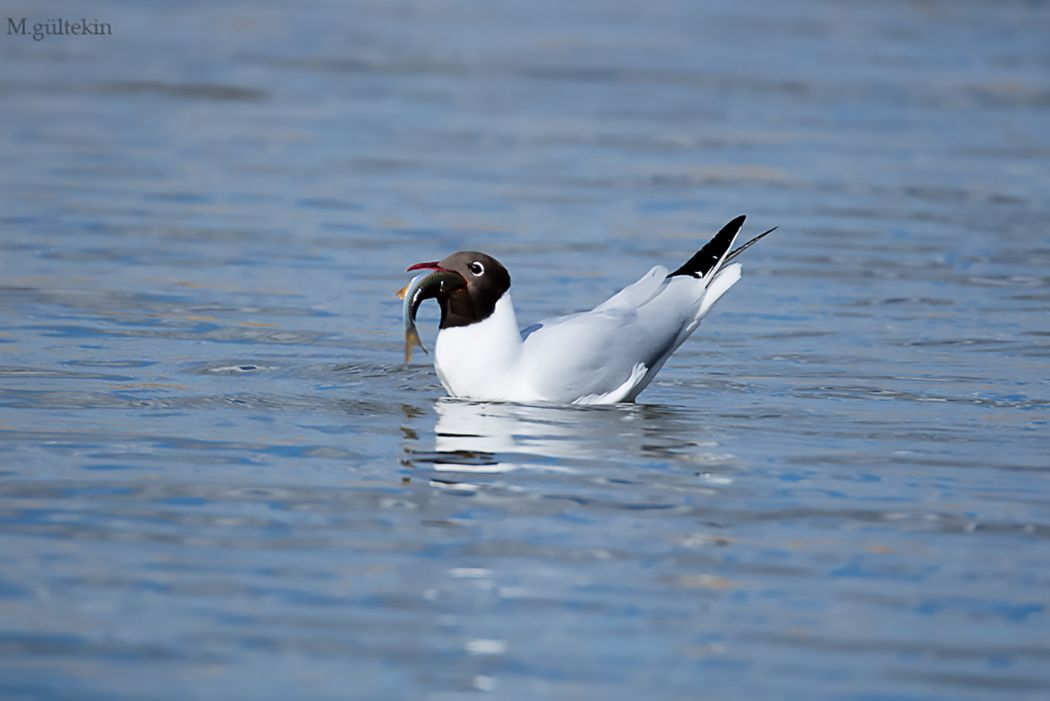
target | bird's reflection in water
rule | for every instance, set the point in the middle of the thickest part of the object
(485, 437)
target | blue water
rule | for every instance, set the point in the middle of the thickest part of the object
(217, 481)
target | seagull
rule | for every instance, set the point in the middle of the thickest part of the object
(603, 356)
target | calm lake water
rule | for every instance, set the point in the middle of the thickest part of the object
(217, 481)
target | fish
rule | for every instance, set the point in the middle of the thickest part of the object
(422, 287)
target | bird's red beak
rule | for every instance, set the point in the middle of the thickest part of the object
(432, 265)
(433, 286)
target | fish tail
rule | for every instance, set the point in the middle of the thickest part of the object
(411, 341)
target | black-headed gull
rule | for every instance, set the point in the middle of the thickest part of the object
(606, 355)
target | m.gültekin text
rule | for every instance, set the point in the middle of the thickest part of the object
(58, 27)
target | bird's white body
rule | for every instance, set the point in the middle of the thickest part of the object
(602, 356)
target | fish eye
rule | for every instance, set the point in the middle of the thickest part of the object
(477, 268)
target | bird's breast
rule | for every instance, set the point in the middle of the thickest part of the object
(480, 361)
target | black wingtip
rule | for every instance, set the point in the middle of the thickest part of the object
(707, 258)
(734, 253)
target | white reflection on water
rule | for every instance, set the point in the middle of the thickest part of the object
(500, 437)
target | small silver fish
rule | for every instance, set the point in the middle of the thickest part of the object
(423, 287)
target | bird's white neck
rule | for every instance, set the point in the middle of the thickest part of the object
(479, 361)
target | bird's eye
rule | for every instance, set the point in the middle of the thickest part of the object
(477, 268)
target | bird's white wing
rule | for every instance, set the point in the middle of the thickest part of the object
(609, 353)
(630, 297)
(638, 293)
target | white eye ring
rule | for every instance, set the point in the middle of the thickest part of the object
(477, 269)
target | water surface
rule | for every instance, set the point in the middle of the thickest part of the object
(218, 481)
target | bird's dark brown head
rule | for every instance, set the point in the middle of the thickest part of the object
(485, 281)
